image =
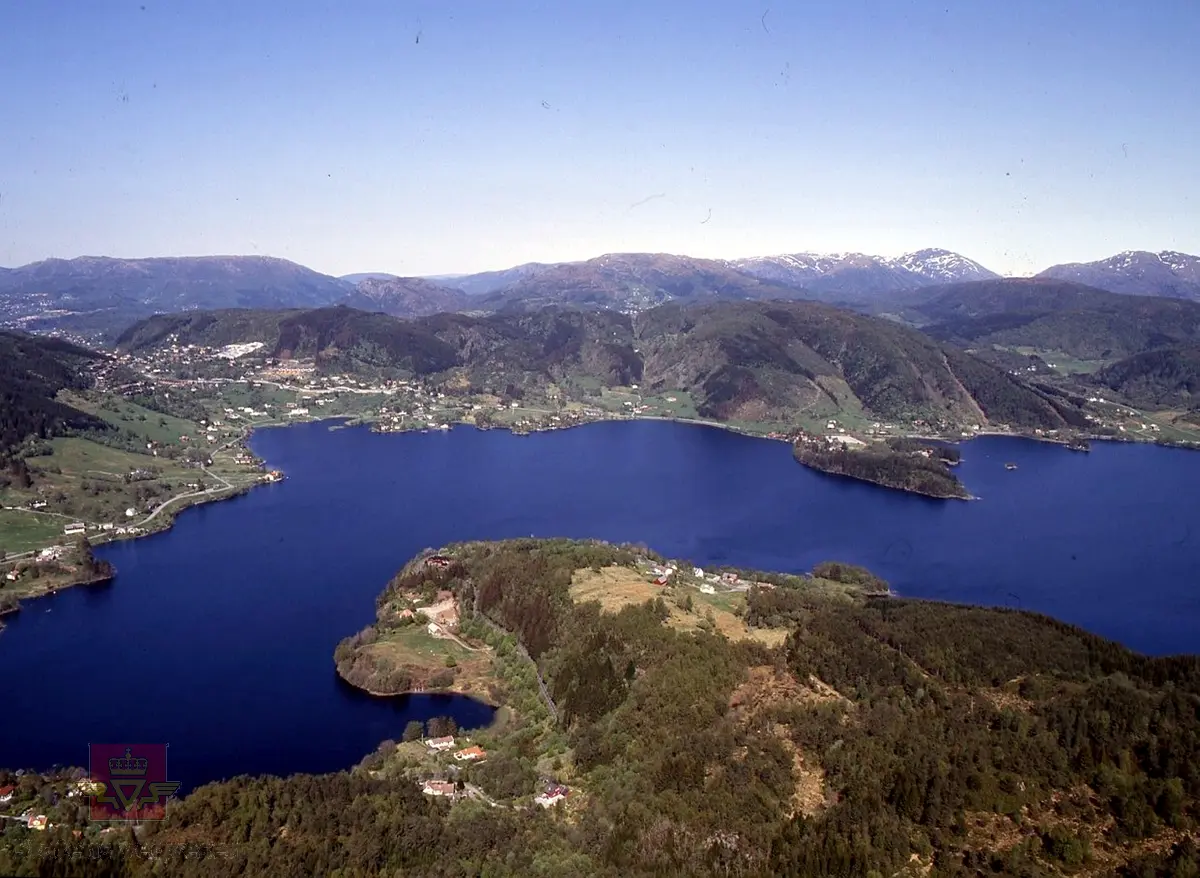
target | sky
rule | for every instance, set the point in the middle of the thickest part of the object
(424, 138)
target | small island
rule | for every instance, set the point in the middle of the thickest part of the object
(902, 464)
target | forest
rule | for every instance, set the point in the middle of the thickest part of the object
(32, 370)
(882, 737)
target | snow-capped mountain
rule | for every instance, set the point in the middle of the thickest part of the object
(859, 274)
(943, 267)
(1137, 272)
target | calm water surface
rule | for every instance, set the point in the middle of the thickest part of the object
(218, 635)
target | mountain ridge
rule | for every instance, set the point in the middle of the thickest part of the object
(859, 274)
(1167, 273)
(747, 361)
(94, 297)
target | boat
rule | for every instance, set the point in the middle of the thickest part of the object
(1010, 466)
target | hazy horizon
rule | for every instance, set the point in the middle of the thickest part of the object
(428, 140)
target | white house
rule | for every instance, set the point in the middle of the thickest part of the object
(444, 743)
(438, 788)
(75, 527)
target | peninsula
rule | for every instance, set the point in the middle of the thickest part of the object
(677, 720)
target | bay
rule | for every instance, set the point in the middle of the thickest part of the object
(218, 635)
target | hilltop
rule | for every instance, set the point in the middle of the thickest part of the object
(677, 721)
(1138, 273)
(629, 282)
(91, 295)
(851, 276)
(405, 296)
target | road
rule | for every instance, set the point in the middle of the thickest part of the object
(226, 486)
(476, 793)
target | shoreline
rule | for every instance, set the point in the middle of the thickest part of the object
(372, 424)
(867, 481)
(168, 523)
(449, 690)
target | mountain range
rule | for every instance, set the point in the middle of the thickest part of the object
(95, 297)
(856, 275)
(1137, 273)
(748, 361)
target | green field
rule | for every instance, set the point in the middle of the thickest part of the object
(22, 531)
(155, 426)
(1062, 363)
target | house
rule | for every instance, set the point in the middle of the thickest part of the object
(130, 512)
(75, 527)
(470, 754)
(729, 577)
(553, 794)
(433, 629)
(38, 822)
(6, 793)
(660, 580)
(12, 576)
(698, 572)
(444, 743)
(707, 588)
(438, 788)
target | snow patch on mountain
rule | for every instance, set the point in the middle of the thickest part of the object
(848, 273)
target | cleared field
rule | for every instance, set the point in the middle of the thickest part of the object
(672, 404)
(125, 415)
(413, 647)
(81, 457)
(1061, 362)
(617, 587)
(22, 531)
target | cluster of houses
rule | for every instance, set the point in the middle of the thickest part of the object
(731, 581)
(474, 753)
(32, 821)
(442, 615)
(449, 788)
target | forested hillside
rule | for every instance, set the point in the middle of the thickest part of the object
(880, 737)
(32, 370)
(751, 361)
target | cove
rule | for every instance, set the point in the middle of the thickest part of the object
(218, 636)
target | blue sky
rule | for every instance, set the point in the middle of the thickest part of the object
(439, 137)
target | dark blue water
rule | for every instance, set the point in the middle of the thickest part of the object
(218, 636)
